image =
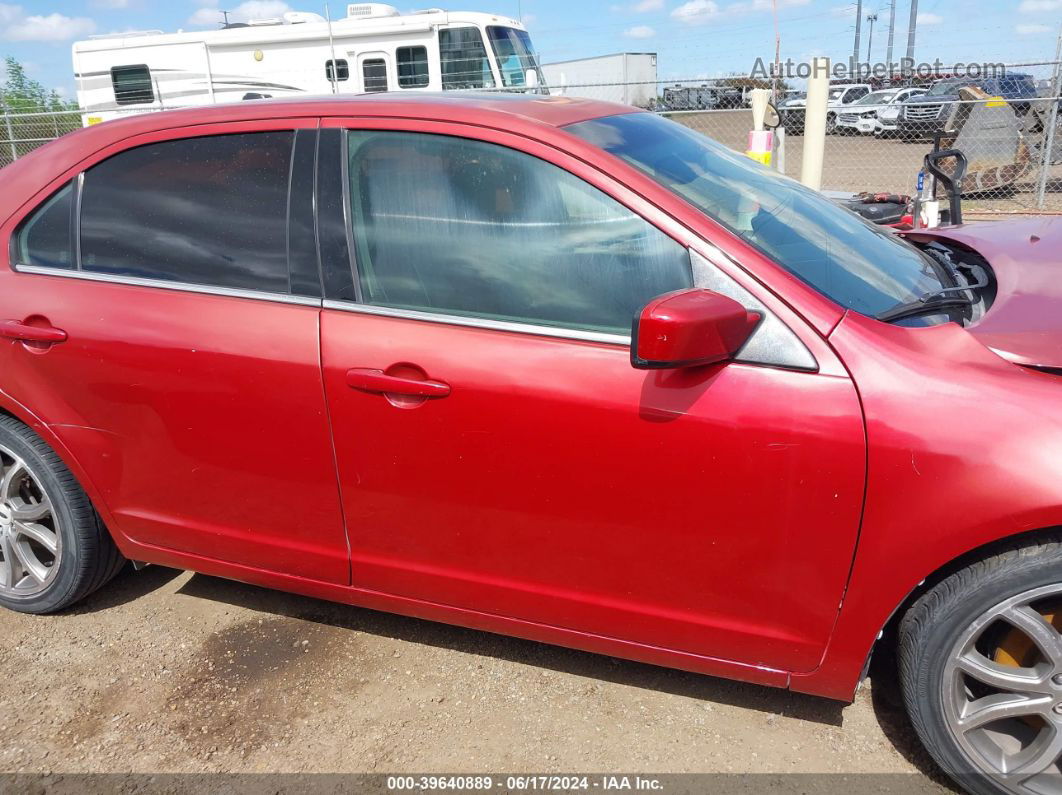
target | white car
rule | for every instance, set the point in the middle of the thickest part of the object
(876, 111)
(840, 98)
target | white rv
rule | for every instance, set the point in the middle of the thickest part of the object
(373, 48)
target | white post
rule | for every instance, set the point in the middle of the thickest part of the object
(1052, 122)
(815, 123)
(760, 98)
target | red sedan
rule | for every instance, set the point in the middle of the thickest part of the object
(551, 368)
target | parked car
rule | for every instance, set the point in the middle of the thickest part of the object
(863, 116)
(840, 97)
(552, 368)
(922, 117)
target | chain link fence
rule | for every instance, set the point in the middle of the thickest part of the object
(21, 133)
(1013, 148)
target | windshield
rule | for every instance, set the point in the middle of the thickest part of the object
(947, 87)
(515, 55)
(858, 265)
(877, 98)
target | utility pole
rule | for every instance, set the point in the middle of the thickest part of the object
(892, 28)
(911, 31)
(855, 47)
(871, 18)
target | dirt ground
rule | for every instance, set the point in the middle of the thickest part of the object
(166, 671)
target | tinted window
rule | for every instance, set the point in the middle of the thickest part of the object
(412, 66)
(44, 238)
(337, 70)
(462, 227)
(855, 263)
(464, 59)
(132, 85)
(374, 73)
(209, 210)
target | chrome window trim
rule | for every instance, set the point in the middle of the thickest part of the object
(185, 287)
(479, 322)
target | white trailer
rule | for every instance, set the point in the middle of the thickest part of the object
(625, 77)
(372, 48)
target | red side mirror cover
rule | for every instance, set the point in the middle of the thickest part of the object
(688, 328)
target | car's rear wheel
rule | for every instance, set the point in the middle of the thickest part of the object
(53, 548)
(981, 671)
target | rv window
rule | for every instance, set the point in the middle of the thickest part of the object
(132, 85)
(462, 227)
(374, 73)
(515, 55)
(337, 70)
(412, 67)
(44, 238)
(464, 59)
(209, 210)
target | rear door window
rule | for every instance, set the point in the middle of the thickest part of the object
(209, 210)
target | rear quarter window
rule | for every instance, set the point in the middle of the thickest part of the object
(44, 238)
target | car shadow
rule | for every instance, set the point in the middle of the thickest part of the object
(127, 586)
(887, 703)
(556, 658)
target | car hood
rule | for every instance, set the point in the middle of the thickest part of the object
(925, 99)
(1024, 323)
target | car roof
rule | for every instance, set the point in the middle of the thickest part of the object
(528, 114)
(477, 106)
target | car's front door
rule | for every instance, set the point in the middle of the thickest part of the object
(497, 451)
(188, 384)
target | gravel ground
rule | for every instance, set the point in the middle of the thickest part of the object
(166, 671)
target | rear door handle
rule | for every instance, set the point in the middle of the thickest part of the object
(378, 381)
(17, 330)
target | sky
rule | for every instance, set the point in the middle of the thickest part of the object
(695, 39)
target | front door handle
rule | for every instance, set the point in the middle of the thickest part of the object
(17, 330)
(371, 380)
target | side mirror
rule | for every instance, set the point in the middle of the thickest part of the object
(772, 119)
(688, 328)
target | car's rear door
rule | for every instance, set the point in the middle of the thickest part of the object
(497, 452)
(188, 385)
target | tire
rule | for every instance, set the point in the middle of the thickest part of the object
(831, 123)
(1004, 610)
(54, 551)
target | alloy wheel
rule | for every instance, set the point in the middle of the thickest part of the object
(1002, 692)
(30, 541)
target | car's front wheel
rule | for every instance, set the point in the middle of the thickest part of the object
(981, 671)
(53, 548)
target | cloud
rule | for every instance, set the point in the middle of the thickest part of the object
(696, 12)
(529, 19)
(1031, 30)
(1039, 6)
(17, 26)
(701, 12)
(639, 32)
(211, 16)
(929, 19)
(648, 5)
(111, 3)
